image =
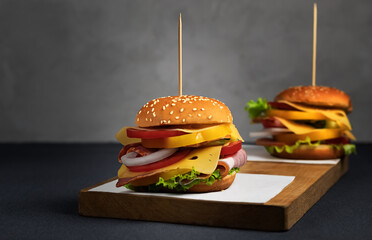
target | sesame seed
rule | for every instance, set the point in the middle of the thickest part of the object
(210, 117)
(139, 111)
(137, 119)
(169, 121)
(150, 119)
(146, 119)
(151, 105)
(221, 107)
(194, 109)
(163, 107)
(154, 114)
(181, 110)
(199, 115)
(171, 112)
(153, 109)
(190, 102)
(190, 115)
(183, 120)
(177, 117)
(167, 105)
(173, 104)
(202, 109)
(148, 112)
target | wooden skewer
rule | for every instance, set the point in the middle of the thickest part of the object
(180, 56)
(314, 42)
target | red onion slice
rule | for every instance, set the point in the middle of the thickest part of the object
(130, 159)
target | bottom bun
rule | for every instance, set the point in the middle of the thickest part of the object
(218, 185)
(321, 152)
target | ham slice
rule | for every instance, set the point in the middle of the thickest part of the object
(234, 161)
(124, 181)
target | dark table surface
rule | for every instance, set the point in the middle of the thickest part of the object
(39, 186)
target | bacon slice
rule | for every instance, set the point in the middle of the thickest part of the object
(135, 147)
(141, 150)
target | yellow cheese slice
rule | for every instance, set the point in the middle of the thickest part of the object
(204, 160)
(295, 115)
(122, 137)
(316, 135)
(194, 136)
(299, 128)
(337, 115)
(209, 134)
(350, 135)
(295, 127)
(304, 130)
(235, 135)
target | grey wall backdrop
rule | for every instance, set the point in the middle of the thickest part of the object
(78, 71)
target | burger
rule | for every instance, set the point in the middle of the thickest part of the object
(304, 122)
(180, 144)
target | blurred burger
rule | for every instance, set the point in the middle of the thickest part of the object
(181, 143)
(304, 122)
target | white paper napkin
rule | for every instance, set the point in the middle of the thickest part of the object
(249, 188)
(259, 154)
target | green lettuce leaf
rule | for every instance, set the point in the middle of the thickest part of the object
(348, 148)
(232, 170)
(174, 182)
(291, 148)
(256, 109)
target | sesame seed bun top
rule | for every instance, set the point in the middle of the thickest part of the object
(183, 110)
(317, 96)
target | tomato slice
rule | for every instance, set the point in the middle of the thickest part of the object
(340, 140)
(176, 157)
(150, 134)
(272, 123)
(281, 106)
(232, 148)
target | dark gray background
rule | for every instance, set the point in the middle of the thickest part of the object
(77, 71)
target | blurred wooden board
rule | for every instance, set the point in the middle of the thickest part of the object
(280, 213)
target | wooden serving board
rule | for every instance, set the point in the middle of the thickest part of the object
(280, 213)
